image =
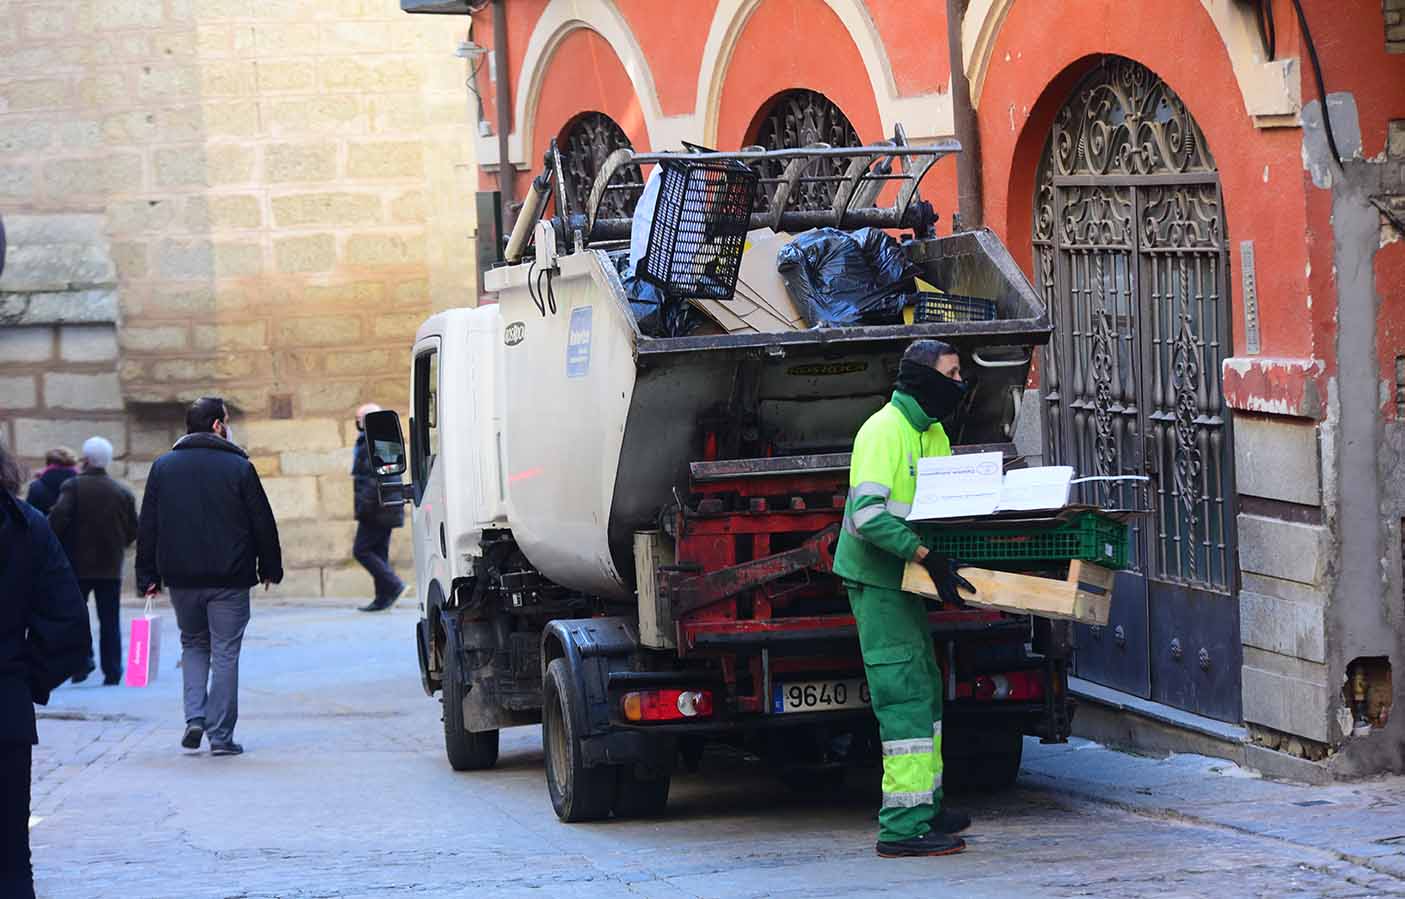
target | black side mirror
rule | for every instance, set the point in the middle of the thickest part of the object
(385, 442)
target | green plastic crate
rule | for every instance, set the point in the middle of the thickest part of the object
(1087, 536)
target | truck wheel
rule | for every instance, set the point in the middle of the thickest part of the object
(467, 751)
(577, 793)
(990, 762)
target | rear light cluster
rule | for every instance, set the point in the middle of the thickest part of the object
(1015, 685)
(666, 705)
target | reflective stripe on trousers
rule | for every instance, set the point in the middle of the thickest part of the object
(912, 770)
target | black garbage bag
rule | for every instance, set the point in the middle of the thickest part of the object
(658, 315)
(847, 277)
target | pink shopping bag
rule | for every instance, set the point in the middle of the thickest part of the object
(144, 648)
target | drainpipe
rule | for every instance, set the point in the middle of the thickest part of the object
(970, 204)
(503, 98)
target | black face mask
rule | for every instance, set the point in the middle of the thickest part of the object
(937, 394)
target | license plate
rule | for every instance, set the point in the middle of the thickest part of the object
(819, 695)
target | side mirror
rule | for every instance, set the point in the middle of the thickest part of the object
(385, 442)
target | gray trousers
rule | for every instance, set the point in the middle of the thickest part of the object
(212, 622)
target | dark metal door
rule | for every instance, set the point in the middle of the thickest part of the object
(1130, 245)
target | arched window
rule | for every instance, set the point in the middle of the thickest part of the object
(585, 143)
(798, 118)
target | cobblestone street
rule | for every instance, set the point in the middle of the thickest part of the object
(344, 792)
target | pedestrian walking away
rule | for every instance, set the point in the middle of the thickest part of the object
(207, 533)
(904, 680)
(374, 522)
(60, 464)
(95, 519)
(43, 639)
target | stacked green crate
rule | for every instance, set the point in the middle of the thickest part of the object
(1090, 536)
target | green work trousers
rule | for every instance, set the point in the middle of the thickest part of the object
(905, 685)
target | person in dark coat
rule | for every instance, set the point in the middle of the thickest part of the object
(206, 531)
(43, 639)
(59, 465)
(374, 522)
(96, 520)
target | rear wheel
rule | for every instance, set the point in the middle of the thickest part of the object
(988, 761)
(466, 751)
(577, 793)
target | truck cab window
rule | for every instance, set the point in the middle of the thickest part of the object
(426, 423)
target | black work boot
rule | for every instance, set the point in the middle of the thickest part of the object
(949, 820)
(194, 733)
(929, 844)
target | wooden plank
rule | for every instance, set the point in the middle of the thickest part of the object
(1084, 596)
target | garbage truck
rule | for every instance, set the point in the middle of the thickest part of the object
(628, 537)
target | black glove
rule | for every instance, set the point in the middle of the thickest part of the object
(944, 576)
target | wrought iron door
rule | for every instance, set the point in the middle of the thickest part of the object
(1130, 246)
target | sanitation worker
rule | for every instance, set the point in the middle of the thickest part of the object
(903, 678)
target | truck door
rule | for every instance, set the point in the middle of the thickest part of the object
(427, 515)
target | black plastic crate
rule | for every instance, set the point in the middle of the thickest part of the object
(700, 222)
(952, 307)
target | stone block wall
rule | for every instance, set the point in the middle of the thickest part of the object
(1286, 554)
(272, 198)
(58, 336)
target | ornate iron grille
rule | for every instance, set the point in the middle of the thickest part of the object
(1130, 253)
(799, 118)
(585, 143)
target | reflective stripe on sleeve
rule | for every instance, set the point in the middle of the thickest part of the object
(866, 514)
(870, 488)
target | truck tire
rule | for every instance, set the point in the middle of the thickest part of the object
(467, 751)
(990, 762)
(577, 793)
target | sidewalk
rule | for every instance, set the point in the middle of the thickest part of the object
(1360, 823)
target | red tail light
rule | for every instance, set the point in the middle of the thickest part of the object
(1013, 685)
(666, 705)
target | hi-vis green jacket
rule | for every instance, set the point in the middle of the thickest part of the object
(876, 541)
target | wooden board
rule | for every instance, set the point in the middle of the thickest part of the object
(1085, 596)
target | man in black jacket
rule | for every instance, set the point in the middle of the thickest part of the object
(374, 522)
(96, 520)
(43, 639)
(207, 533)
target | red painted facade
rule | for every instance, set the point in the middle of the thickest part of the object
(1039, 53)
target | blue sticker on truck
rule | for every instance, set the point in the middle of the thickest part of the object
(578, 344)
